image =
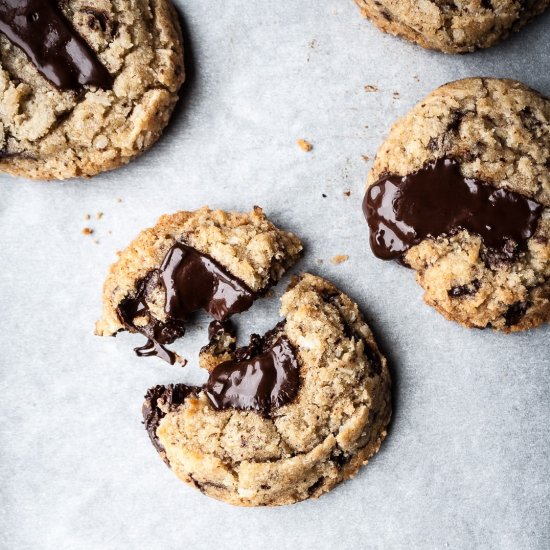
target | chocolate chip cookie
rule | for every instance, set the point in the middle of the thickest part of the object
(286, 418)
(204, 260)
(460, 192)
(84, 86)
(450, 26)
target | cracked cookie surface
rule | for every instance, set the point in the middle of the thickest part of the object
(497, 131)
(302, 449)
(51, 133)
(451, 26)
(247, 246)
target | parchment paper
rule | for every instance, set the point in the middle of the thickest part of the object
(466, 464)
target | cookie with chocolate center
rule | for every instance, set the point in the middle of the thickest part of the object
(460, 192)
(286, 418)
(84, 86)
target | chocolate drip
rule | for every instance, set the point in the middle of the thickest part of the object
(61, 55)
(191, 281)
(404, 210)
(157, 333)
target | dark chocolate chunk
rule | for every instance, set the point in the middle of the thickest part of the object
(98, 20)
(465, 290)
(265, 379)
(191, 281)
(437, 200)
(59, 53)
(339, 458)
(515, 313)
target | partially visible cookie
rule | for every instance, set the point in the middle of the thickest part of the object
(207, 259)
(450, 26)
(286, 418)
(460, 192)
(85, 86)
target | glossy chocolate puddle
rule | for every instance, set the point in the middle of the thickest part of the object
(48, 39)
(191, 281)
(402, 211)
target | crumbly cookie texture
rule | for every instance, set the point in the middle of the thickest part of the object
(249, 246)
(499, 131)
(450, 26)
(335, 424)
(48, 133)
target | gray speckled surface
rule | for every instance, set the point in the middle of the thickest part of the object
(466, 464)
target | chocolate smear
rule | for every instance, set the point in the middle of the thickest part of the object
(59, 53)
(436, 200)
(195, 281)
(261, 381)
(191, 281)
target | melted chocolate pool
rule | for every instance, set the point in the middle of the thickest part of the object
(404, 210)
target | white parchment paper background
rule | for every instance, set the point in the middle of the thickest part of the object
(466, 464)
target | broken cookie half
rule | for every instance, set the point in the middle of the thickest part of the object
(208, 260)
(286, 418)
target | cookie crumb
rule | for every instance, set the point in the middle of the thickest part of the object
(396, 95)
(347, 193)
(87, 216)
(324, 196)
(99, 215)
(339, 259)
(311, 46)
(304, 145)
(87, 231)
(366, 158)
(371, 88)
